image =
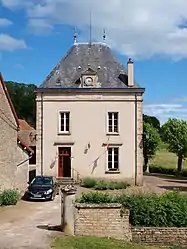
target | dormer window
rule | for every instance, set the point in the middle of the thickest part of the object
(89, 78)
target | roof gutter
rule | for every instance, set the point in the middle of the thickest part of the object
(19, 164)
(91, 90)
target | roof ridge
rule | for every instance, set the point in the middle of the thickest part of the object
(9, 99)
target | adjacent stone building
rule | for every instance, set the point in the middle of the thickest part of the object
(14, 151)
(28, 134)
(89, 117)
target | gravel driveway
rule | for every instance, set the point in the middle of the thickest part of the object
(26, 224)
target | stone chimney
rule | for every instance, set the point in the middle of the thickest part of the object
(130, 66)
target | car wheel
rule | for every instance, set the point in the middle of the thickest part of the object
(52, 197)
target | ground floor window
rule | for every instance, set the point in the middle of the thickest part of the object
(113, 159)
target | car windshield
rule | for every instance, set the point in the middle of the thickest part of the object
(42, 181)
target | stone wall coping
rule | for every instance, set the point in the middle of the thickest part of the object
(157, 228)
(95, 206)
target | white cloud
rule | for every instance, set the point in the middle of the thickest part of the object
(165, 111)
(40, 26)
(9, 43)
(135, 28)
(5, 22)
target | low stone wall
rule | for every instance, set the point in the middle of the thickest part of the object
(111, 220)
(106, 220)
(160, 236)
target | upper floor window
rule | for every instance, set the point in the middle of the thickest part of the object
(64, 122)
(113, 122)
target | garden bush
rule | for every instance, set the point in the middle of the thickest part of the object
(10, 197)
(88, 182)
(103, 184)
(95, 198)
(151, 210)
(167, 171)
(1, 199)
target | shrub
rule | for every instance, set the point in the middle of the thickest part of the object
(1, 199)
(166, 210)
(103, 184)
(121, 185)
(162, 170)
(88, 182)
(95, 198)
(111, 185)
(167, 171)
(10, 197)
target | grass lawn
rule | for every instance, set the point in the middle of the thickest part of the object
(94, 243)
(166, 159)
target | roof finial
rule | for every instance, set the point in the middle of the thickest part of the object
(75, 37)
(90, 27)
(104, 35)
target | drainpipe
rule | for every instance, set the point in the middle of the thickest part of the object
(136, 139)
(42, 133)
(25, 160)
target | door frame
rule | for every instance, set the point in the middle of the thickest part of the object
(70, 149)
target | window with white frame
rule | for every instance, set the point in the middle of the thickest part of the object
(113, 159)
(113, 122)
(64, 122)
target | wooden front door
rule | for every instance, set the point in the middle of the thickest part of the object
(64, 162)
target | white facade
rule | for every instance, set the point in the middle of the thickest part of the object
(80, 121)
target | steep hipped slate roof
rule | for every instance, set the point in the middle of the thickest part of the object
(99, 57)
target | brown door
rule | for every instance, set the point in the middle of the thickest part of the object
(64, 162)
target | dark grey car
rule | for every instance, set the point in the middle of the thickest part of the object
(42, 188)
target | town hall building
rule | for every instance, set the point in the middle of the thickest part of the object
(89, 117)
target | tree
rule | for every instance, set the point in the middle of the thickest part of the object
(23, 99)
(175, 135)
(152, 121)
(151, 141)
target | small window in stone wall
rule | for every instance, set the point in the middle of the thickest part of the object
(32, 160)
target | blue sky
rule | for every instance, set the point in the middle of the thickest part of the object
(35, 34)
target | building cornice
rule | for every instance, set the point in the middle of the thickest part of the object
(91, 90)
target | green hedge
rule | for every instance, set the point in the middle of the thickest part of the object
(167, 171)
(9, 197)
(166, 210)
(103, 184)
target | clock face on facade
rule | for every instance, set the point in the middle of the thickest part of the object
(89, 81)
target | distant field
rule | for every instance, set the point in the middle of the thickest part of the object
(166, 159)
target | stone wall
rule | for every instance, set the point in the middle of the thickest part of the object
(111, 220)
(22, 171)
(139, 170)
(106, 220)
(8, 143)
(38, 141)
(160, 236)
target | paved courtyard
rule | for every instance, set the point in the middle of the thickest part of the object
(163, 183)
(25, 225)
